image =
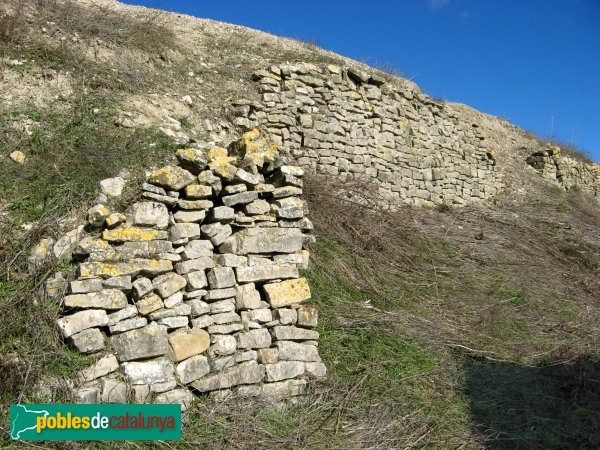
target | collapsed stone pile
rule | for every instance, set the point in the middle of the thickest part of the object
(197, 286)
(346, 122)
(565, 171)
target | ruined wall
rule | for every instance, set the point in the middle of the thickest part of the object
(344, 122)
(196, 287)
(565, 171)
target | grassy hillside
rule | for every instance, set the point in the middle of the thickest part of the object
(443, 328)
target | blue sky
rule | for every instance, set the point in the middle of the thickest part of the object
(533, 62)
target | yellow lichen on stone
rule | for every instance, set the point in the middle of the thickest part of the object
(105, 269)
(171, 177)
(217, 152)
(287, 292)
(124, 234)
(222, 166)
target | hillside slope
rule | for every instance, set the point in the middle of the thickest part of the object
(471, 328)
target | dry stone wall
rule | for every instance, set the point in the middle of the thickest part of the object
(565, 171)
(197, 287)
(347, 123)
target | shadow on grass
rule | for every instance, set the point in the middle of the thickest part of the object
(551, 407)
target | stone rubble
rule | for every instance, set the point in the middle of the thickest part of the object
(196, 288)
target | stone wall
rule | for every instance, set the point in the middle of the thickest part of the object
(347, 123)
(196, 288)
(565, 171)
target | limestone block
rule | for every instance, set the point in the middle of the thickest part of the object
(287, 292)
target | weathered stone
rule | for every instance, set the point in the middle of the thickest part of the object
(181, 309)
(150, 214)
(198, 191)
(197, 249)
(170, 201)
(247, 297)
(114, 220)
(56, 286)
(286, 316)
(291, 208)
(176, 396)
(88, 341)
(245, 373)
(69, 325)
(189, 216)
(171, 177)
(86, 286)
(250, 274)
(112, 187)
(63, 248)
(262, 315)
(222, 306)
(225, 329)
(173, 300)
(294, 351)
(174, 322)
(240, 199)
(263, 240)
(184, 230)
(125, 313)
(149, 303)
(221, 278)
(229, 260)
(123, 283)
(316, 370)
(222, 345)
(40, 255)
(202, 321)
(141, 343)
(142, 286)
(186, 345)
(191, 369)
(277, 390)
(268, 355)
(196, 280)
(252, 339)
(89, 395)
(201, 263)
(259, 206)
(308, 316)
(105, 365)
(248, 177)
(124, 233)
(128, 324)
(227, 317)
(141, 393)
(192, 159)
(163, 386)
(114, 391)
(283, 370)
(133, 267)
(106, 299)
(17, 156)
(289, 333)
(156, 370)
(219, 294)
(286, 292)
(286, 191)
(198, 307)
(195, 204)
(168, 284)
(222, 214)
(97, 214)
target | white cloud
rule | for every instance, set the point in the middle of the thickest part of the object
(437, 4)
